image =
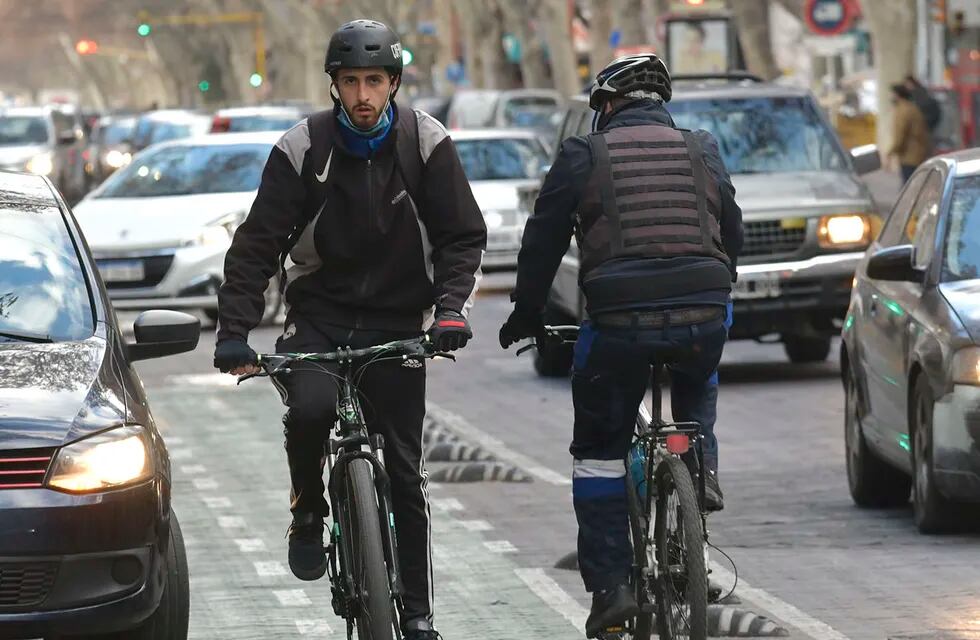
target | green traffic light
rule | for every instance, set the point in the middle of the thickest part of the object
(203, 85)
(255, 80)
(144, 30)
(407, 57)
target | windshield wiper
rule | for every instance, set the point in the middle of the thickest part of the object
(26, 337)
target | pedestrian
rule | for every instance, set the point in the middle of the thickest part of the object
(370, 209)
(659, 232)
(910, 144)
(927, 104)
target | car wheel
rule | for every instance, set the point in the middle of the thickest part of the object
(872, 481)
(273, 304)
(933, 513)
(554, 360)
(802, 349)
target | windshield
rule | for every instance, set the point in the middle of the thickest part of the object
(472, 109)
(18, 130)
(184, 170)
(117, 131)
(165, 131)
(764, 135)
(963, 236)
(43, 290)
(243, 124)
(501, 159)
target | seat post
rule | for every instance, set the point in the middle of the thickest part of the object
(656, 375)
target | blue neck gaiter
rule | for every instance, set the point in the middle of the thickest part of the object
(364, 142)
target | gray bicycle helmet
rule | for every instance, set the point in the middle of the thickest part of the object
(644, 72)
(364, 43)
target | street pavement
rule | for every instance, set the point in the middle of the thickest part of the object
(806, 557)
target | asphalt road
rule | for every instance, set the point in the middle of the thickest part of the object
(806, 557)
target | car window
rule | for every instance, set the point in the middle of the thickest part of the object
(243, 124)
(895, 225)
(501, 158)
(43, 289)
(962, 260)
(117, 131)
(765, 134)
(920, 229)
(20, 130)
(474, 109)
(186, 169)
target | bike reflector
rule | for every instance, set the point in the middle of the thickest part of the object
(678, 443)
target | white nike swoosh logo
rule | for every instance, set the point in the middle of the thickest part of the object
(323, 176)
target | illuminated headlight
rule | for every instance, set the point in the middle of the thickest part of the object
(42, 164)
(219, 232)
(966, 366)
(105, 461)
(117, 159)
(493, 219)
(851, 230)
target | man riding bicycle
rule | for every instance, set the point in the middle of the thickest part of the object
(658, 230)
(368, 214)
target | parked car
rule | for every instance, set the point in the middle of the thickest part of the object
(261, 118)
(524, 108)
(46, 141)
(89, 541)
(807, 217)
(160, 227)
(910, 357)
(498, 164)
(109, 146)
(168, 124)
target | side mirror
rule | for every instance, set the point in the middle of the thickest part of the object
(866, 159)
(163, 333)
(894, 263)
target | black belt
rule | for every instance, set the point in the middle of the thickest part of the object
(657, 319)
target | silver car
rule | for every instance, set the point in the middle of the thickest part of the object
(46, 141)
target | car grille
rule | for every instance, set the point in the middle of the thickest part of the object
(24, 468)
(154, 269)
(25, 584)
(770, 238)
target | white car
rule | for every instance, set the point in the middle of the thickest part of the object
(499, 163)
(159, 228)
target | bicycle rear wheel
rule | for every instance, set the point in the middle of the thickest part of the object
(682, 602)
(644, 589)
(367, 562)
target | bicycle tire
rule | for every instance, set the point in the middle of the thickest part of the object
(682, 574)
(640, 531)
(374, 612)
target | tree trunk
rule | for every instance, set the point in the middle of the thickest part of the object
(534, 69)
(600, 27)
(555, 17)
(893, 39)
(752, 18)
(629, 21)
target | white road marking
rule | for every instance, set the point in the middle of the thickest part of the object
(193, 469)
(783, 611)
(269, 568)
(446, 504)
(461, 427)
(293, 598)
(313, 627)
(216, 502)
(475, 525)
(205, 484)
(231, 522)
(554, 596)
(500, 546)
(181, 454)
(250, 545)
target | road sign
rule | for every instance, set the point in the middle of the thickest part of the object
(829, 17)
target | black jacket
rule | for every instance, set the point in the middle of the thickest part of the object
(549, 230)
(372, 256)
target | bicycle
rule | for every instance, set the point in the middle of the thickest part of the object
(362, 559)
(670, 563)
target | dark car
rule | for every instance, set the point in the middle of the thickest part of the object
(910, 358)
(807, 217)
(89, 543)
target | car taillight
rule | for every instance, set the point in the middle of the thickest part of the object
(220, 125)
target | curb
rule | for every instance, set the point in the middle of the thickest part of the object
(479, 472)
(456, 452)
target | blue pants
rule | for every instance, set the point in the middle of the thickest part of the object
(609, 379)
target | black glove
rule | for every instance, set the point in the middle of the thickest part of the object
(232, 353)
(450, 331)
(521, 324)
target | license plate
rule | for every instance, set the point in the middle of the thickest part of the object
(122, 270)
(754, 286)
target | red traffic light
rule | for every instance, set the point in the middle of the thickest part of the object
(86, 47)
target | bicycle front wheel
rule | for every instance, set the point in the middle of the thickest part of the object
(372, 592)
(682, 577)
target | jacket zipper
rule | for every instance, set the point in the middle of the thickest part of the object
(367, 276)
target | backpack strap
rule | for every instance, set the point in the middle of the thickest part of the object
(408, 156)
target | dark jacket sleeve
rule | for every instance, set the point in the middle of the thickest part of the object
(731, 213)
(549, 229)
(453, 221)
(253, 257)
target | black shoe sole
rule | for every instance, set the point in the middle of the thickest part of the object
(612, 619)
(309, 573)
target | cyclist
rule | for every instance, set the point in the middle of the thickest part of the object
(382, 242)
(658, 230)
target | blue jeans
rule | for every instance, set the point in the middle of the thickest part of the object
(609, 379)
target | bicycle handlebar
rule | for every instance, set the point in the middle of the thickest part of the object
(562, 334)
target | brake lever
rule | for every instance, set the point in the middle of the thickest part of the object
(444, 354)
(527, 347)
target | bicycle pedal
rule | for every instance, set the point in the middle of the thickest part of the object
(612, 633)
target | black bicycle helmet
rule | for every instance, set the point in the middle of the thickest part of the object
(640, 72)
(361, 44)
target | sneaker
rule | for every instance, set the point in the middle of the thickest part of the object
(307, 557)
(610, 610)
(420, 629)
(714, 499)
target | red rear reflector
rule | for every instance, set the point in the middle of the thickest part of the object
(678, 443)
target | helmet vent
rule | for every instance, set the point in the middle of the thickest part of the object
(372, 47)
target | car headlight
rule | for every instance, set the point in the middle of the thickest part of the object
(846, 231)
(966, 366)
(105, 461)
(42, 164)
(493, 219)
(220, 232)
(117, 159)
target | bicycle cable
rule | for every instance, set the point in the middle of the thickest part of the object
(734, 568)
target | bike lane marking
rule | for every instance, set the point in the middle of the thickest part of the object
(554, 596)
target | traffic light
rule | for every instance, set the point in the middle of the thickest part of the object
(255, 80)
(407, 56)
(144, 29)
(203, 86)
(86, 47)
